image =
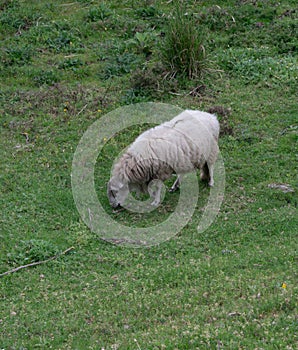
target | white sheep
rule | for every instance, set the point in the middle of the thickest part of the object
(187, 142)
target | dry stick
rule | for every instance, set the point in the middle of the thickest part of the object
(82, 109)
(36, 263)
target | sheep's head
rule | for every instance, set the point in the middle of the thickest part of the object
(117, 192)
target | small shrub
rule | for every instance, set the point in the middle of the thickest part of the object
(182, 49)
(143, 42)
(99, 13)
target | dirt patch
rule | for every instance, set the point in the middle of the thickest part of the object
(223, 114)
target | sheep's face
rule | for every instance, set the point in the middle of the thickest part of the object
(117, 192)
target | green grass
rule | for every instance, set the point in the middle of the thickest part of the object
(182, 50)
(65, 64)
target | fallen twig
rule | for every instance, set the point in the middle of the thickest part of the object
(26, 136)
(82, 109)
(36, 263)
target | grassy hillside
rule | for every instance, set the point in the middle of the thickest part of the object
(66, 64)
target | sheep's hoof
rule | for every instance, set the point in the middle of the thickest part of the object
(173, 189)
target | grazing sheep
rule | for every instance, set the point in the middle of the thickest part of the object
(181, 145)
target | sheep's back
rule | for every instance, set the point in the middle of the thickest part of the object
(179, 145)
(182, 147)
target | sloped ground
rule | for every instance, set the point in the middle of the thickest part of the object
(64, 65)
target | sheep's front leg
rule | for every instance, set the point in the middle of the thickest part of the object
(207, 174)
(155, 191)
(176, 184)
(211, 180)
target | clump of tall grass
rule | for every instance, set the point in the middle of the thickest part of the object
(182, 50)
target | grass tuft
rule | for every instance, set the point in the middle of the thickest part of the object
(182, 50)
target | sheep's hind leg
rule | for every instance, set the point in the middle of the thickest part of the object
(205, 173)
(211, 180)
(176, 184)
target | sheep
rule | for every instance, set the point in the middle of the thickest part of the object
(187, 142)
